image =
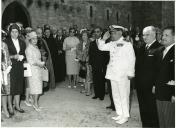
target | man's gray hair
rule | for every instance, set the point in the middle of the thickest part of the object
(150, 28)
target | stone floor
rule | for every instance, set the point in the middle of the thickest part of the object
(66, 107)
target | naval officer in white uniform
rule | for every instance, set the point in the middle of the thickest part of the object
(119, 70)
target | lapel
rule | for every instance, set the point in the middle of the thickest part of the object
(153, 48)
(170, 54)
(12, 44)
(21, 45)
(154, 45)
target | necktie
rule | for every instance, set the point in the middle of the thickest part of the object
(147, 47)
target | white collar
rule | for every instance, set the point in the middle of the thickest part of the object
(15, 40)
(120, 40)
(148, 45)
(169, 47)
(16, 44)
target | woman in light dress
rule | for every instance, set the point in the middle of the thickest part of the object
(70, 47)
(33, 56)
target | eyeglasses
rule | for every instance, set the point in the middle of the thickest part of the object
(72, 31)
(97, 31)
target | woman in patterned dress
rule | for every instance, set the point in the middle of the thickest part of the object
(83, 57)
(5, 81)
(33, 56)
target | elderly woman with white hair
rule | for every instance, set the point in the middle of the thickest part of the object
(33, 56)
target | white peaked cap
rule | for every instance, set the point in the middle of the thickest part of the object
(112, 27)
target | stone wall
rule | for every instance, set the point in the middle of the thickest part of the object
(76, 12)
(168, 13)
(64, 13)
(157, 13)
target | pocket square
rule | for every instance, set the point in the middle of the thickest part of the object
(172, 82)
(150, 55)
(171, 60)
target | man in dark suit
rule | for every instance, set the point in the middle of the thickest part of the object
(96, 60)
(60, 62)
(165, 82)
(145, 77)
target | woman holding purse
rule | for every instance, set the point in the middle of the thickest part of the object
(16, 48)
(33, 56)
(83, 57)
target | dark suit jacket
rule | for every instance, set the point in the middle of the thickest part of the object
(145, 68)
(59, 43)
(12, 50)
(165, 73)
(95, 55)
(17, 71)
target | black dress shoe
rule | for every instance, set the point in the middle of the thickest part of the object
(94, 97)
(11, 113)
(19, 110)
(109, 107)
(113, 108)
(101, 98)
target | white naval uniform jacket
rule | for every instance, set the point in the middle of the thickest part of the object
(122, 59)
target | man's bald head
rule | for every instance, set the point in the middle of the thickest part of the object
(149, 34)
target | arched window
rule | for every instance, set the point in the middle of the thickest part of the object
(117, 17)
(128, 18)
(91, 11)
(107, 14)
(62, 1)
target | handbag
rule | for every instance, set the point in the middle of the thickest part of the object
(27, 70)
(83, 71)
(45, 75)
(4, 78)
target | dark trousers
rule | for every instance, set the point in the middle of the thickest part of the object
(110, 93)
(99, 82)
(147, 107)
(166, 114)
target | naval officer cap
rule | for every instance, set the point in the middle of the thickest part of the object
(116, 28)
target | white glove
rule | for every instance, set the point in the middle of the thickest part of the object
(8, 69)
(20, 57)
(173, 99)
(172, 82)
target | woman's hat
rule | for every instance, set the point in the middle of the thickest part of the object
(13, 26)
(32, 35)
(28, 30)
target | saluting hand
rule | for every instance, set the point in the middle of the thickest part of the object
(106, 36)
(173, 99)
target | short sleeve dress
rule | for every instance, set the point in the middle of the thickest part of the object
(72, 66)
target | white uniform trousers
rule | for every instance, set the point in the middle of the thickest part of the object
(120, 93)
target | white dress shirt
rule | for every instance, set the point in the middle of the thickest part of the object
(148, 45)
(16, 44)
(84, 45)
(167, 49)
